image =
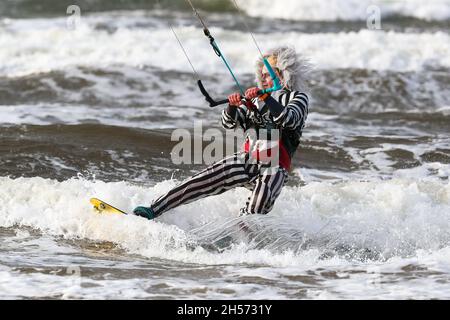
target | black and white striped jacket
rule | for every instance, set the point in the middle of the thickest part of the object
(285, 110)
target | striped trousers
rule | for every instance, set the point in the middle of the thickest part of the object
(231, 172)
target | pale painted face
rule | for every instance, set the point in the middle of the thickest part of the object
(266, 80)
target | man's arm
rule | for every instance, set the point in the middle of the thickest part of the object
(291, 111)
(233, 116)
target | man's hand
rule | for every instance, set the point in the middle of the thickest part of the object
(235, 99)
(251, 93)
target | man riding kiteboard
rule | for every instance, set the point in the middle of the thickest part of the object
(283, 111)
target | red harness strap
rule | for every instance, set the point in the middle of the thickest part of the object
(284, 160)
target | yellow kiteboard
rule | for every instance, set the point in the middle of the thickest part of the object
(103, 207)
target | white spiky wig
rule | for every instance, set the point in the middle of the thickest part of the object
(293, 68)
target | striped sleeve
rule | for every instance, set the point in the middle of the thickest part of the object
(233, 116)
(295, 112)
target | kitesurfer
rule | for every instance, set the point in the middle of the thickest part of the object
(284, 111)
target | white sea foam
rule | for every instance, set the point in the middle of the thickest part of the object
(393, 218)
(331, 10)
(405, 221)
(50, 46)
(45, 114)
(16, 285)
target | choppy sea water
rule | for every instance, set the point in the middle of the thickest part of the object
(90, 112)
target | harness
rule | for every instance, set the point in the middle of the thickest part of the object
(259, 121)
